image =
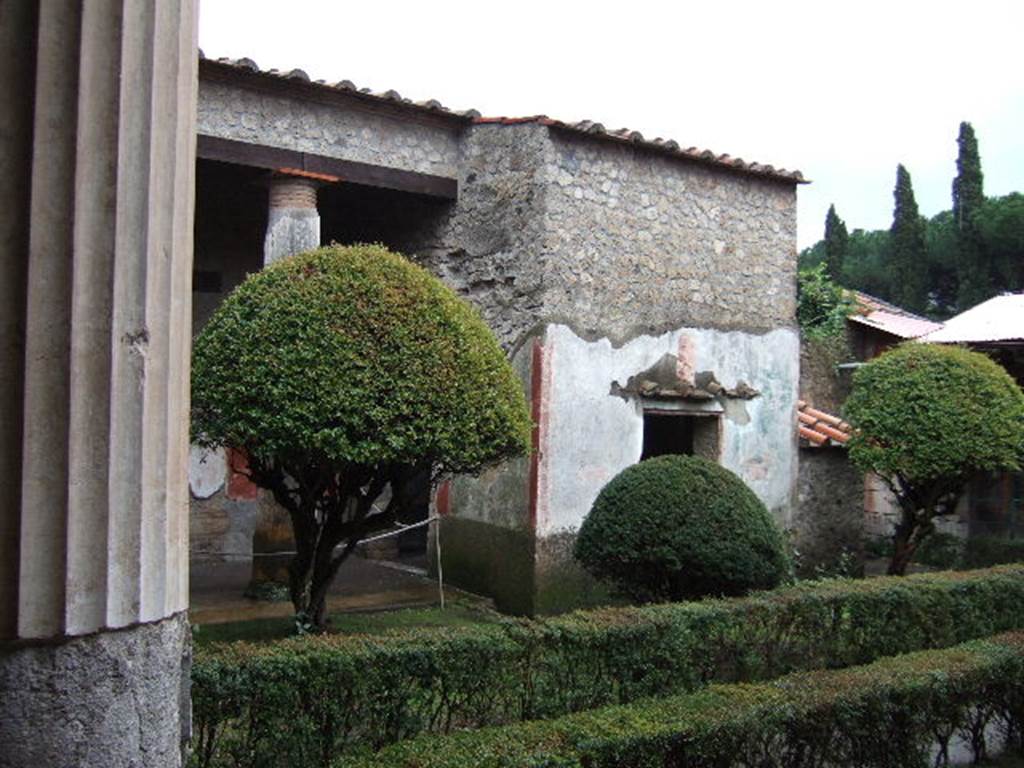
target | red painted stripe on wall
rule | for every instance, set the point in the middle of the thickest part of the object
(536, 401)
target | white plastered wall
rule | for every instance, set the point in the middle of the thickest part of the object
(590, 434)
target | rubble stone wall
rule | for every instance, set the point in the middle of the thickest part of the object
(304, 125)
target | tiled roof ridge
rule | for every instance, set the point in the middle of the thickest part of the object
(819, 428)
(670, 146)
(588, 127)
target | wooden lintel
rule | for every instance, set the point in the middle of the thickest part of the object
(273, 158)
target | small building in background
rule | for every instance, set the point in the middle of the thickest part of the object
(645, 292)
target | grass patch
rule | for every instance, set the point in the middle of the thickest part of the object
(369, 623)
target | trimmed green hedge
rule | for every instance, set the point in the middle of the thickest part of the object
(308, 700)
(886, 715)
(681, 528)
(984, 551)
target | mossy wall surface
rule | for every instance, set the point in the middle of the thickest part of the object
(561, 583)
(490, 560)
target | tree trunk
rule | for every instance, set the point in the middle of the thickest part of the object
(903, 550)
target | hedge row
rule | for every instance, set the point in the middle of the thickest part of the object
(893, 713)
(944, 550)
(309, 700)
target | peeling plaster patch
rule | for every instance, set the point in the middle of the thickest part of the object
(686, 353)
(207, 471)
(736, 411)
(756, 468)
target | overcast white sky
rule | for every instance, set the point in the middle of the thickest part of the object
(842, 91)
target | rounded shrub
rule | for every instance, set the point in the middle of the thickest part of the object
(927, 412)
(341, 371)
(353, 355)
(681, 527)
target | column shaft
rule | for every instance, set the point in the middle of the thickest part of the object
(96, 256)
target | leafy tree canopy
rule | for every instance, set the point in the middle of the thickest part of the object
(907, 249)
(355, 356)
(925, 418)
(836, 243)
(343, 370)
(822, 306)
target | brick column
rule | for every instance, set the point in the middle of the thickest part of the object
(97, 154)
(293, 224)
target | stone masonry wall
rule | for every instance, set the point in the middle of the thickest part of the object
(263, 117)
(636, 242)
(829, 519)
(489, 247)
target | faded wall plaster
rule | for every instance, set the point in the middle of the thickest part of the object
(592, 434)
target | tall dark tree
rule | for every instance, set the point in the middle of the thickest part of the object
(837, 241)
(973, 269)
(908, 254)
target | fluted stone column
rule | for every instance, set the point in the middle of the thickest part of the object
(97, 154)
(293, 223)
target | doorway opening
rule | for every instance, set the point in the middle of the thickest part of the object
(680, 433)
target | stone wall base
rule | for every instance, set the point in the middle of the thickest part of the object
(111, 700)
(829, 523)
(524, 576)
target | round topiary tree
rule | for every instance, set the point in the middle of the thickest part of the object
(339, 371)
(681, 527)
(926, 417)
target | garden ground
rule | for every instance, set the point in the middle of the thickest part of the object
(368, 596)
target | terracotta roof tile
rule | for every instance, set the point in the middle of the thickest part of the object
(819, 428)
(588, 127)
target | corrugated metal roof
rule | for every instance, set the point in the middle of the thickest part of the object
(898, 325)
(889, 318)
(583, 127)
(818, 428)
(998, 320)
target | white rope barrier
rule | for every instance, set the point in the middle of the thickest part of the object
(388, 534)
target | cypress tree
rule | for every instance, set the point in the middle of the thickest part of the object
(973, 268)
(837, 240)
(908, 254)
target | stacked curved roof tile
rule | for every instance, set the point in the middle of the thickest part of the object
(585, 127)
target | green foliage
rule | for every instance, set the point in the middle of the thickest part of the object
(836, 244)
(343, 370)
(822, 306)
(305, 701)
(971, 252)
(973, 268)
(926, 412)
(681, 527)
(867, 265)
(983, 551)
(907, 249)
(884, 715)
(1000, 222)
(355, 355)
(925, 418)
(943, 550)
(943, 257)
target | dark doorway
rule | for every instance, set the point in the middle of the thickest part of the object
(672, 432)
(667, 433)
